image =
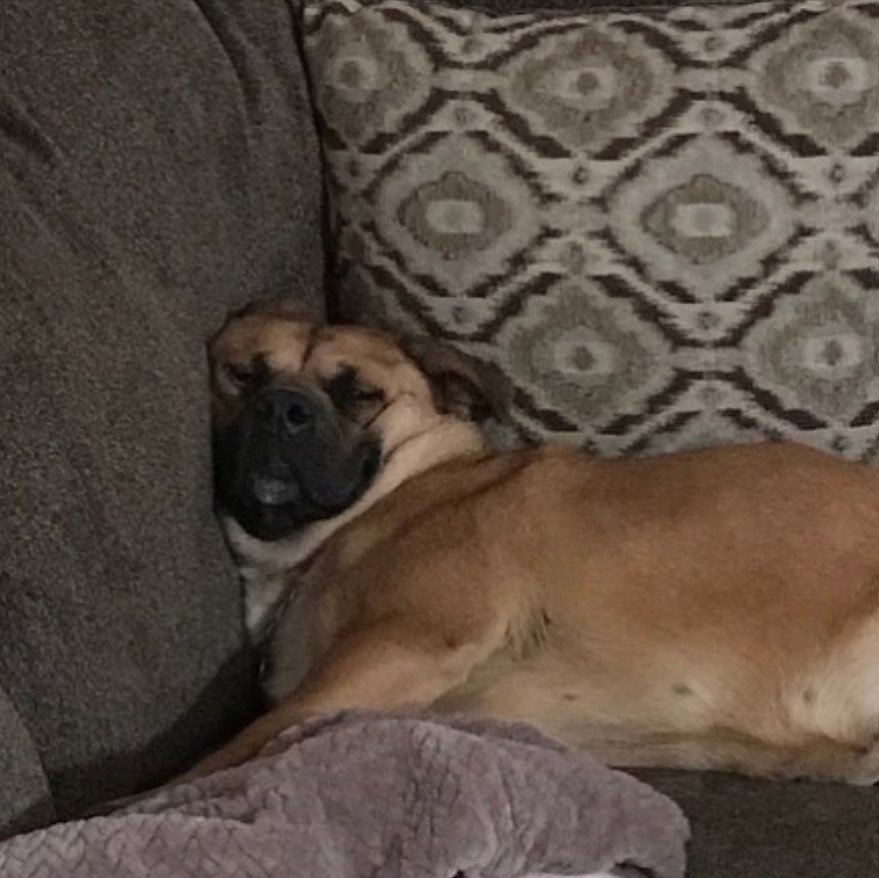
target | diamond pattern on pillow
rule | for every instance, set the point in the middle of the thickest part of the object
(660, 222)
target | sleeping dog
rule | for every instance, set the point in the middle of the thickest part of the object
(716, 609)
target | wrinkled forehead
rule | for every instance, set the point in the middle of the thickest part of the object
(301, 348)
(282, 344)
(334, 348)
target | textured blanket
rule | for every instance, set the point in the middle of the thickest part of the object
(357, 796)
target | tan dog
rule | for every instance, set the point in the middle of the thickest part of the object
(717, 609)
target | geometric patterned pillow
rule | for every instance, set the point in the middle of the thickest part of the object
(662, 223)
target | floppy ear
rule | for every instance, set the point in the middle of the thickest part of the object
(461, 383)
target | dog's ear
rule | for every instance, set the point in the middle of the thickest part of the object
(461, 383)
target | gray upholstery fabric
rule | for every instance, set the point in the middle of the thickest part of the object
(157, 166)
(24, 793)
(744, 828)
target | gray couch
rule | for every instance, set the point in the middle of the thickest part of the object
(158, 164)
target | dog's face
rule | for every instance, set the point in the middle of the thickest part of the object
(306, 415)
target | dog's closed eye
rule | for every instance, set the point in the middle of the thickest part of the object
(346, 390)
(249, 374)
(365, 394)
(241, 374)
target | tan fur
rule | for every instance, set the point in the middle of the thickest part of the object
(717, 609)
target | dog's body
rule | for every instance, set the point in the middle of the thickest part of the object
(717, 609)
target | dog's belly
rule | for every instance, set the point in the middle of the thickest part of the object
(603, 711)
(698, 711)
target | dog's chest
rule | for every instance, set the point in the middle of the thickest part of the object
(264, 592)
(280, 620)
(296, 613)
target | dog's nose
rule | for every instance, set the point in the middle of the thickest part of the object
(292, 409)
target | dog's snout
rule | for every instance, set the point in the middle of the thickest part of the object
(292, 409)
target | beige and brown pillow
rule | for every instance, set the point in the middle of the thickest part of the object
(661, 223)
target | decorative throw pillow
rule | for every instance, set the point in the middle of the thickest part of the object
(661, 222)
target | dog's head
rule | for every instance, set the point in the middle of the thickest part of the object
(306, 415)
